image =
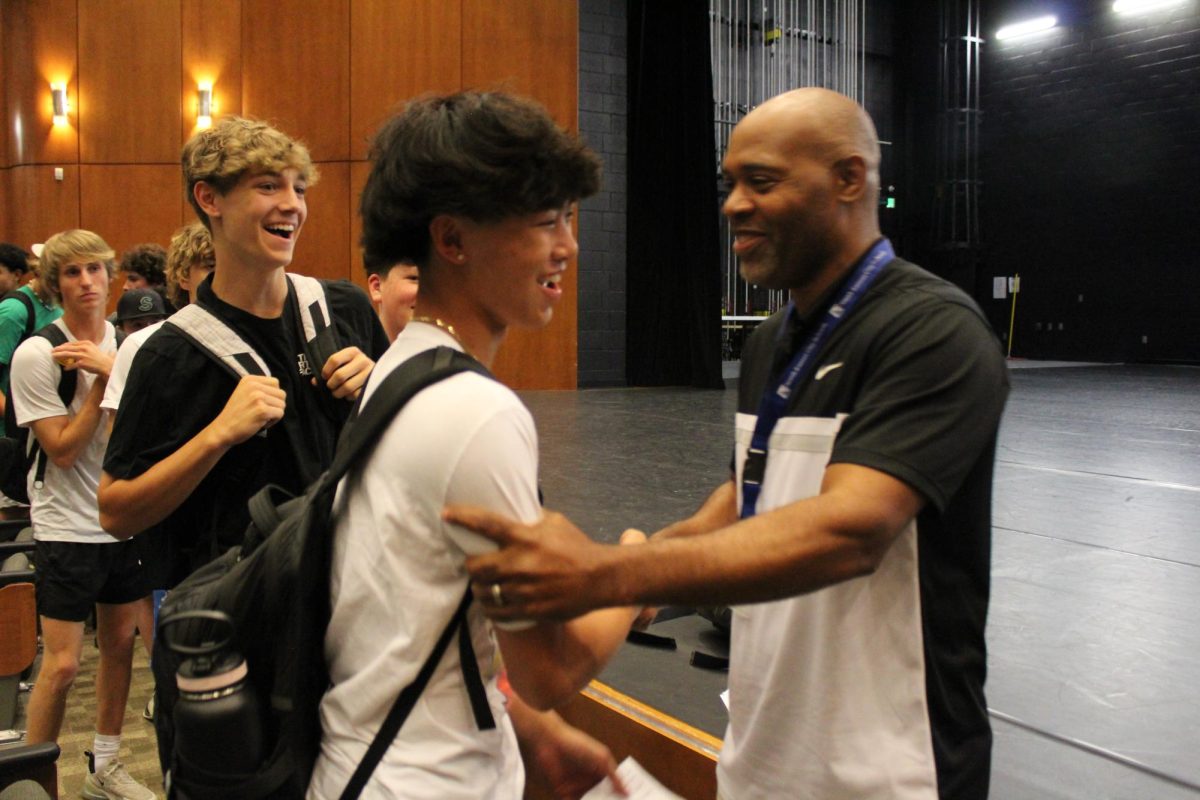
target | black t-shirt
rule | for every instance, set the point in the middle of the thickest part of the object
(174, 390)
(921, 382)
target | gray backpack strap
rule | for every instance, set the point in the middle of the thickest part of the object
(216, 339)
(314, 309)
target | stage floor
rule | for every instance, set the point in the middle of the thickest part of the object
(1093, 633)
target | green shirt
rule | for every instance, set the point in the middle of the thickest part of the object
(13, 317)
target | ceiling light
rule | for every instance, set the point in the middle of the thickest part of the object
(1027, 27)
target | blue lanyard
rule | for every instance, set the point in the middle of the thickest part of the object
(775, 398)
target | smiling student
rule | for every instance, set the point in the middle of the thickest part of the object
(186, 450)
(479, 190)
(79, 566)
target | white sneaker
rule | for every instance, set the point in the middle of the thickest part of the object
(113, 783)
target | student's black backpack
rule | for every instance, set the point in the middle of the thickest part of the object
(275, 589)
(20, 451)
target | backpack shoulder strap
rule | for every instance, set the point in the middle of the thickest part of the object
(211, 336)
(358, 439)
(313, 305)
(404, 704)
(314, 320)
(30, 311)
(68, 378)
(364, 429)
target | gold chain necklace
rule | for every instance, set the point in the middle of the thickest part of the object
(446, 326)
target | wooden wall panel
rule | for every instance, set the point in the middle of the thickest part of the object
(385, 67)
(321, 250)
(4, 155)
(129, 98)
(212, 51)
(39, 49)
(531, 48)
(296, 72)
(359, 170)
(327, 76)
(41, 206)
(148, 207)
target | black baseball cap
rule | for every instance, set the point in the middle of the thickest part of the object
(138, 303)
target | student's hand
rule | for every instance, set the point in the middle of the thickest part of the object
(346, 372)
(257, 402)
(543, 571)
(570, 762)
(84, 355)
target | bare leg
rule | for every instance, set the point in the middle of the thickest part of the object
(62, 644)
(115, 626)
(145, 622)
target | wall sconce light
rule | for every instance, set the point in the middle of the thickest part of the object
(58, 95)
(1027, 28)
(204, 105)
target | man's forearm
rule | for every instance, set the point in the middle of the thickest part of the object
(837, 535)
(130, 506)
(717, 511)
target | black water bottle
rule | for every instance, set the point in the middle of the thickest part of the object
(218, 719)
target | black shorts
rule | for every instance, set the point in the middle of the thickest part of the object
(71, 577)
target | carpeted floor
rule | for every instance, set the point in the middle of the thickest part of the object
(138, 748)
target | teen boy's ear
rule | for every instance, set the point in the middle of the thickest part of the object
(206, 197)
(445, 232)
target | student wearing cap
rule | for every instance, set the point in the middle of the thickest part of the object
(138, 309)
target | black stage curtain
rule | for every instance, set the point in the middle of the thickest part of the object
(673, 283)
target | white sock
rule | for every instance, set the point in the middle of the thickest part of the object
(105, 749)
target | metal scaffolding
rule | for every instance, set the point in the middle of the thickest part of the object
(761, 48)
(956, 204)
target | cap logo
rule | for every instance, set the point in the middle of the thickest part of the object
(146, 303)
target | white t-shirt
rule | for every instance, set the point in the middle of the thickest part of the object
(398, 577)
(121, 366)
(64, 509)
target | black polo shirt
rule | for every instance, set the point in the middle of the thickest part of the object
(912, 384)
(174, 390)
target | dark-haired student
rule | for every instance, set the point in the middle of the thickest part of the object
(479, 191)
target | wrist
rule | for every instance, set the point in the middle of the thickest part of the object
(614, 573)
(215, 440)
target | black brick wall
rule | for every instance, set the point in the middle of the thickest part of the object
(1091, 160)
(602, 123)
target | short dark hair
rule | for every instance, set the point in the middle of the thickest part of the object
(13, 257)
(486, 156)
(381, 267)
(147, 260)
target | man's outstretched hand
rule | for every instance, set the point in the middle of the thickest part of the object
(546, 570)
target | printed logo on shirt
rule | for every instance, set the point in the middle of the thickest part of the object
(302, 363)
(828, 368)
